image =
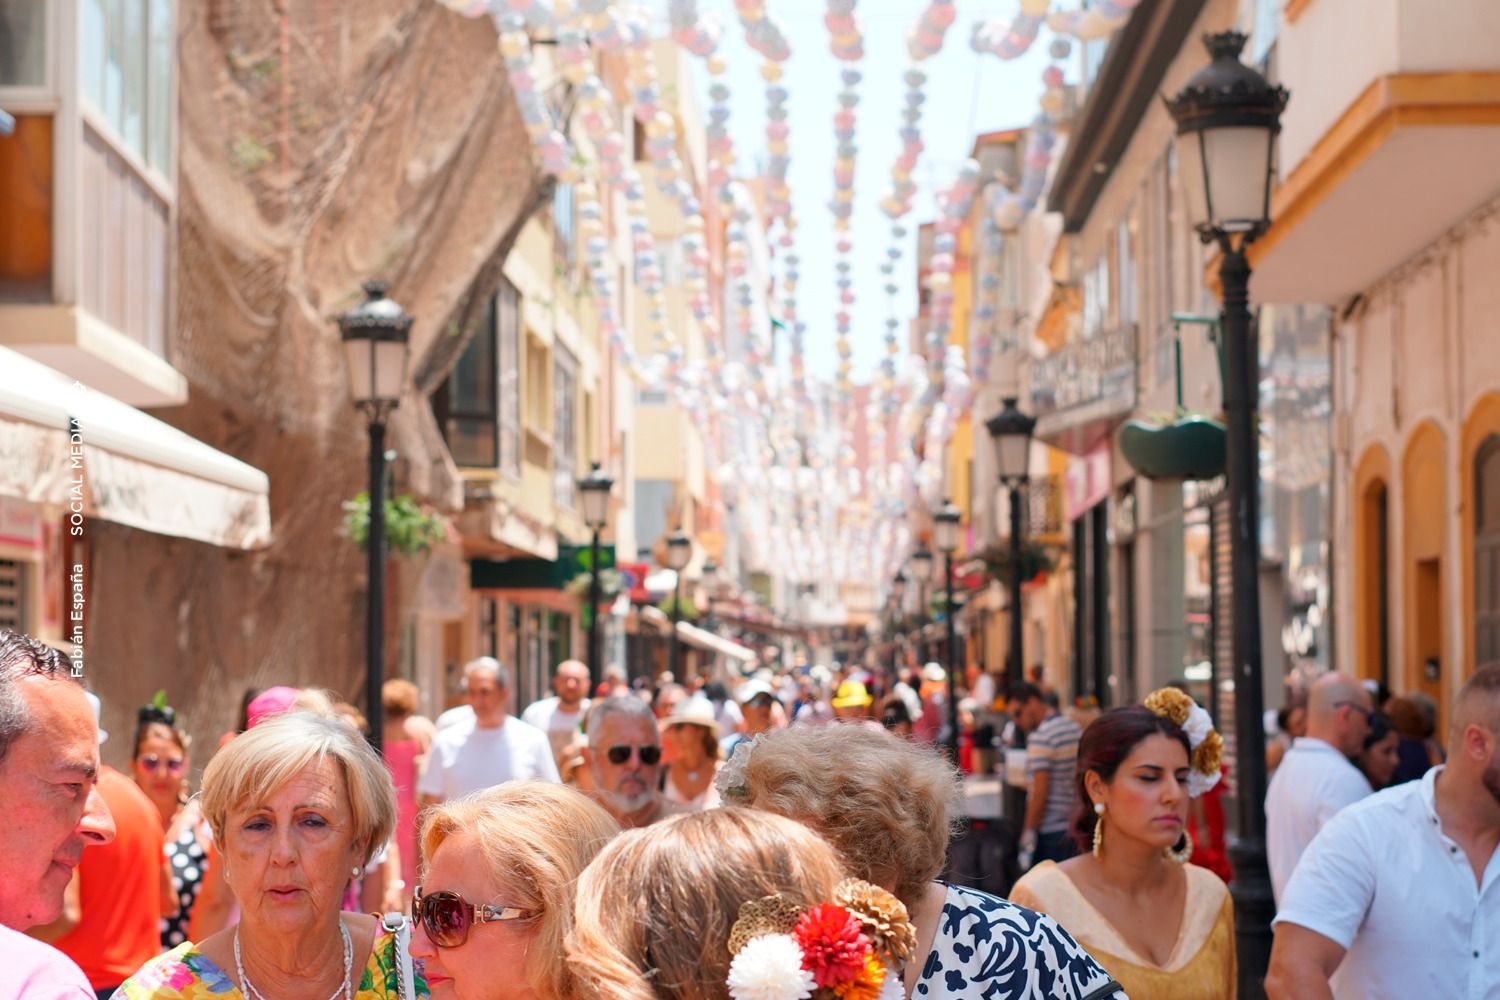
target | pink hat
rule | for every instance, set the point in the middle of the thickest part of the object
(270, 703)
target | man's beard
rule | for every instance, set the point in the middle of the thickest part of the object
(627, 804)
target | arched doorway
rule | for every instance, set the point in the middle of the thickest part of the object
(1487, 552)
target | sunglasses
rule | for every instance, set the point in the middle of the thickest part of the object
(447, 916)
(153, 763)
(1367, 713)
(650, 756)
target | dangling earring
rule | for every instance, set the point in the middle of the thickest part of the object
(1098, 828)
(1182, 851)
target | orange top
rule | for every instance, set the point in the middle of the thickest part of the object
(120, 889)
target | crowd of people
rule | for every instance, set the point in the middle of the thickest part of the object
(784, 837)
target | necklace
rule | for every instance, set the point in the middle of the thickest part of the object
(251, 993)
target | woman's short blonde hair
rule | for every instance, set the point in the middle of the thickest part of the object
(536, 838)
(655, 908)
(254, 764)
(889, 805)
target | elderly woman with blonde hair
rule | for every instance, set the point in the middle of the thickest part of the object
(496, 898)
(297, 805)
(730, 903)
(890, 806)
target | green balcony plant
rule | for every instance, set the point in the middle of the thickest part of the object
(411, 528)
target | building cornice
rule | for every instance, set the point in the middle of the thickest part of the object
(1125, 87)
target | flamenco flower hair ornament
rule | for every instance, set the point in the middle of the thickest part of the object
(850, 948)
(1207, 745)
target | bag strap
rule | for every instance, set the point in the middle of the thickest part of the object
(396, 923)
(1109, 989)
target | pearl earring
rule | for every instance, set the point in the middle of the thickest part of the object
(354, 871)
(1098, 828)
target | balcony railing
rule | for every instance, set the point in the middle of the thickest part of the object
(1045, 517)
(1089, 379)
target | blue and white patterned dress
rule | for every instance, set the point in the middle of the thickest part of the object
(989, 949)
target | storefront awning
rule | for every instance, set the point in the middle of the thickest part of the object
(63, 444)
(700, 638)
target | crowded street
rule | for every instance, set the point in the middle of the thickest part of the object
(749, 499)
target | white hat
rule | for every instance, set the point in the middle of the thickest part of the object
(934, 672)
(98, 709)
(694, 711)
(752, 688)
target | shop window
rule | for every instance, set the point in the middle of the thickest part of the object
(1487, 553)
(13, 597)
(26, 193)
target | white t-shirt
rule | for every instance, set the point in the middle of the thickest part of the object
(1312, 784)
(549, 716)
(34, 969)
(466, 758)
(454, 716)
(1384, 882)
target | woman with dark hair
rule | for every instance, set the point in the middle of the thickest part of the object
(1163, 928)
(159, 763)
(1378, 759)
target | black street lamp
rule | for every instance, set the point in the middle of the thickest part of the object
(679, 554)
(594, 488)
(711, 586)
(1227, 119)
(945, 533)
(375, 336)
(1011, 431)
(921, 568)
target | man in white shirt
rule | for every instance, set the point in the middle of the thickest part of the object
(560, 715)
(492, 749)
(1316, 779)
(1399, 895)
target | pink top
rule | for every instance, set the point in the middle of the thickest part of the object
(401, 760)
(37, 971)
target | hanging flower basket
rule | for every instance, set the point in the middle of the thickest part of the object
(411, 528)
(1188, 446)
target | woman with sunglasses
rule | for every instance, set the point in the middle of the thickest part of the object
(496, 899)
(160, 766)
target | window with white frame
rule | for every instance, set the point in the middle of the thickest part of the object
(24, 44)
(564, 428)
(126, 57)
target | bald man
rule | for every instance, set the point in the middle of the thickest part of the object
(561, 715)
(1316, 779)
(1399, 895)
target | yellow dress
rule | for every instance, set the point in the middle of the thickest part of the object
(185, 973)
(1202, 964)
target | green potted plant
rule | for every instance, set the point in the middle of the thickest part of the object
(1176, 445)
(1036, 559)
(411, 528)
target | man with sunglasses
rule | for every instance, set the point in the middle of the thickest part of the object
(1316, 778)
(624, 757)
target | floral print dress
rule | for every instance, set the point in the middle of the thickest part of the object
(185, 973)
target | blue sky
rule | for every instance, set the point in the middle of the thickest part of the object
(966, 94)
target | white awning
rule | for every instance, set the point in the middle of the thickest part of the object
(700, 638)
(61, 443)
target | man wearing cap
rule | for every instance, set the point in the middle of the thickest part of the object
(756, 700)
(49, 768)
(852, 704)
(492, 749)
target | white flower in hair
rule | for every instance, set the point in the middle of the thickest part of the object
(1198, 783)
(770, 968)
(894, 988)
(1199, 724)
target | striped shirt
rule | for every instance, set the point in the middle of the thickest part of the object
(1053, 747)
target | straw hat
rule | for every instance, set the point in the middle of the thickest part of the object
(693, 711)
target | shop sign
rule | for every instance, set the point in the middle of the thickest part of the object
(1087, 482)
(20, 523)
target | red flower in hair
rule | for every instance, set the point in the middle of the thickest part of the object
(834, 945)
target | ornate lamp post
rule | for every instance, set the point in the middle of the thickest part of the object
(594, 488)
(679, 554)
(1228, 116)
(375, 335)
(1011, 430)
(921, 568)
(898, 592)
(945, 533)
